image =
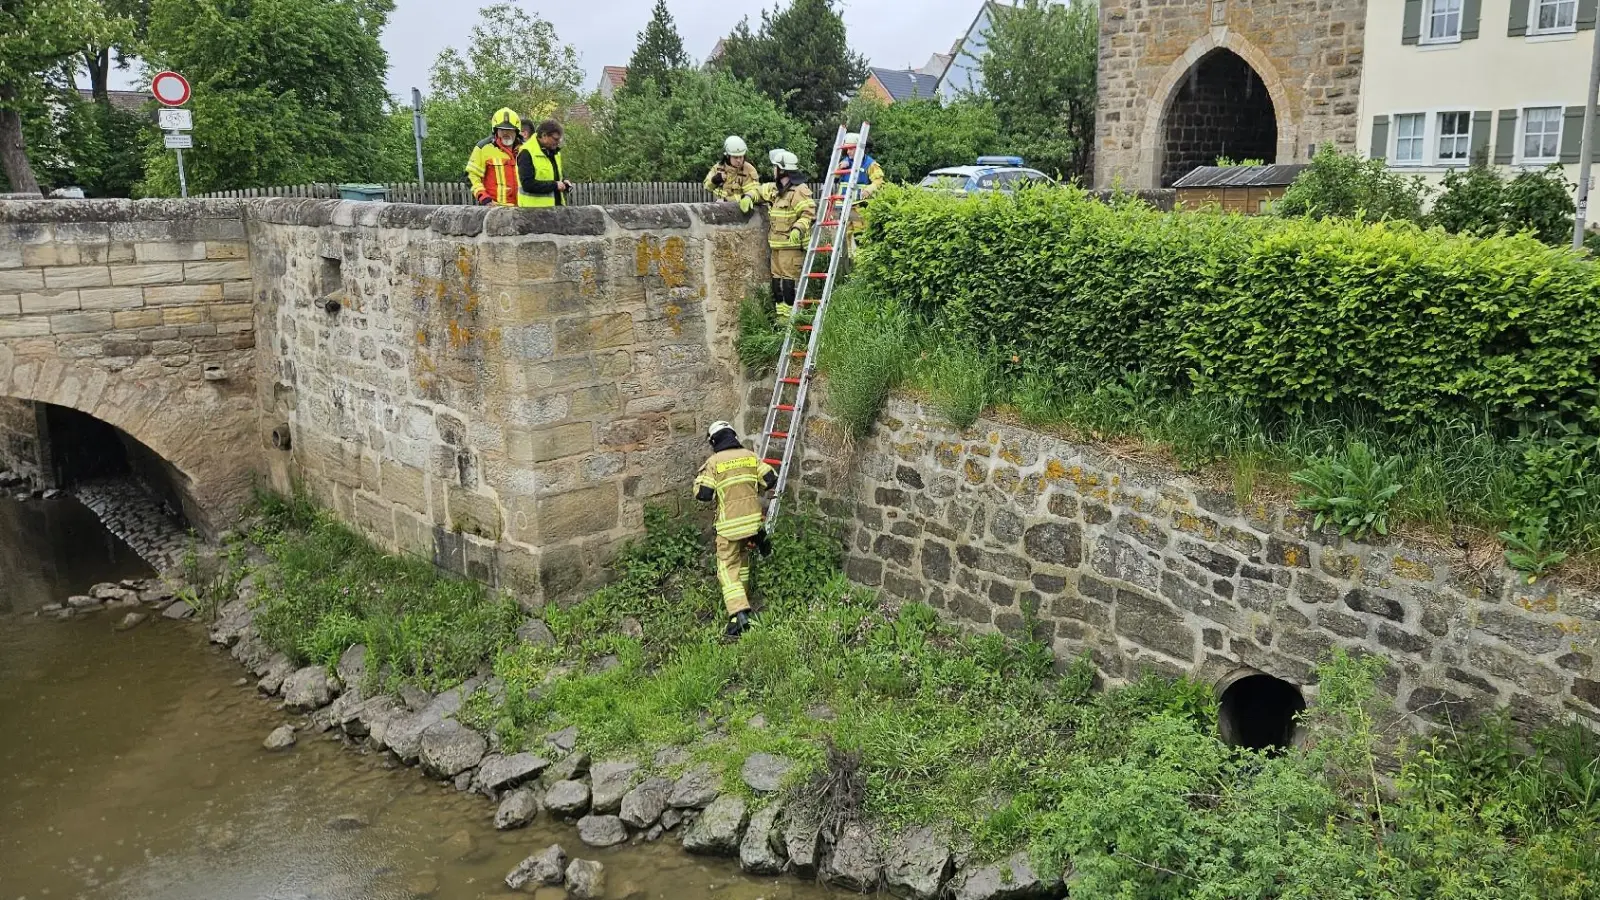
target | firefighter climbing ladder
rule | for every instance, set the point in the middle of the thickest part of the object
(828, 236)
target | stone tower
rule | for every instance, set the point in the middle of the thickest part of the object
(1184, 82)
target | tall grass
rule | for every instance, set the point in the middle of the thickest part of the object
(868, 347)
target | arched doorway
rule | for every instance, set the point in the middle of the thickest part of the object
(1221, 108)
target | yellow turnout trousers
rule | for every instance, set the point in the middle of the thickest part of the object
(731, 571)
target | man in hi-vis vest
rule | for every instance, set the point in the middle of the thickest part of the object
(735, 478)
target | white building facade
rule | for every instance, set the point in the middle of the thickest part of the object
(1447, 82)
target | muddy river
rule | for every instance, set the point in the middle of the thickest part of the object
(131, 766)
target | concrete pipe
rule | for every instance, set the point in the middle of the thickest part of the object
(280, 438)
(1257, 710)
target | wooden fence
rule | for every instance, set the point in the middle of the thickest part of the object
(456, 193)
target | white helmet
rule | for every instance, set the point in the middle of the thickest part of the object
(718, 428)
(784, 160)
(734, 146)
(852, 139)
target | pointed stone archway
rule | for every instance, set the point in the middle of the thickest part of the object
(1221, 71)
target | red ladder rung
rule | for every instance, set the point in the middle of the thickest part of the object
(806, 302)
(805, 327)
(789, 380)
(825, 248)
(781, 435)
(785, 407)
(818, 275)
(830, 223)
(773, 462)
(798, 354)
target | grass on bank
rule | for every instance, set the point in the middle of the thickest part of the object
(1461, 480)
(1128, 788)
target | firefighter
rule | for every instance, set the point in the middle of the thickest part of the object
(728, 179)
(735, 478)
(791, 211)
(867, 180)
(492, 167)
(540, 173)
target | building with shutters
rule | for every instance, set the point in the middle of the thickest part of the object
(1451, 81)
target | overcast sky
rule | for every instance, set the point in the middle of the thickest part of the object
(891, 33)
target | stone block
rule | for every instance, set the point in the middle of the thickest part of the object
(1520, 630)
(594, 332)
(1003, 564)
(10, 305)
(51, 255)
(63, 277)
(550, 443)
(168, 273)
(1118, 559)
(139, 318)
(1054, 543)
(169, 251)
(578, 513)
(49, 301)
(1153, 624)
(1375, 604)
(80, 323)
(238, 290)
(25, 327)
(935, 561)
(182, 294)
(227, 250)
(1290, 554)
(18, 280)
(111, 298)
(230, 312)
(181, 315)
(229, 270)
(473, 512)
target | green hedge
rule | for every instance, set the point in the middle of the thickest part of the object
(1418, 324)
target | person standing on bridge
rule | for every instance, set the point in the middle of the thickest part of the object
(492, 167)
(735, 478)
(728, 179)
(791, 211)
(867, 181)
(541, 175)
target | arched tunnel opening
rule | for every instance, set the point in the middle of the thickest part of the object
(1258, 711)
(83, 452)
(1222, 109)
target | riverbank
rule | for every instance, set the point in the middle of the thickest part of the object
(869, 745)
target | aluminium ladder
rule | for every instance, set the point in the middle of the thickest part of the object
(789, 390)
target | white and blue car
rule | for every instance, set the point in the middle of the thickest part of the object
(992, 173)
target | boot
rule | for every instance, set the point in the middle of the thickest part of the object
(738, 624)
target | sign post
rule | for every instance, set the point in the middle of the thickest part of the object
(419, 129)
(172, 90)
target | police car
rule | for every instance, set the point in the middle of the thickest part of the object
(992, 173)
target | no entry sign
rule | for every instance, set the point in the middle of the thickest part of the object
(170, 88)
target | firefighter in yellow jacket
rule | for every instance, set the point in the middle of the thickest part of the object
(735, 478)
(728, 179)
(492, 167)
(791, 211)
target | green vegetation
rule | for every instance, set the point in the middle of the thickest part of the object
(1129, 788)
(1248, 348)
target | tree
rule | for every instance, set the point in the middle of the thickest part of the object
(913, 137)
(677, 137)
(513, 59)
(1344, 185)
(801, 59)
(285, 91)
(39, 41)
(659, 56)
(1040, 72)
(133, 19)
(1541, 203)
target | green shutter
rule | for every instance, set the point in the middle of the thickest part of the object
(1518, 26)
(1471, 12)
(1572, 134)
(1380, 137)
(1586, 14)
(1479, 141)
(1412, 30)
(1505, 138)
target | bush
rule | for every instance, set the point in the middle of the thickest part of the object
(1419, 326)
(1345, 185)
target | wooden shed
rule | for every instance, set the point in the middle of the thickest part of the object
(1250, 190)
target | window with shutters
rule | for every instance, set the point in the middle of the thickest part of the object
(1541, 134)
(1553, 16)
(1410, 134)
(1455, 137)
(1443, 22)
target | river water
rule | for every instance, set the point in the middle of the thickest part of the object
(131, 766)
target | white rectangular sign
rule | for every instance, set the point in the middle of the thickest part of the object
(179, 141)
(175, 119)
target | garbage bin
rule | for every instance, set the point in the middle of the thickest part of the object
(363, 192)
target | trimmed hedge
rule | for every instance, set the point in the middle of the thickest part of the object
(1418, 324)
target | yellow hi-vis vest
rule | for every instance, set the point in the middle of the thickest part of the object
(537, 174)
(736, 477)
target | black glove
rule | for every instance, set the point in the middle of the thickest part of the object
(762, 543)
(486, 200)
(717, 179)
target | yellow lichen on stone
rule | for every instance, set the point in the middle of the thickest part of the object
(1411, 569)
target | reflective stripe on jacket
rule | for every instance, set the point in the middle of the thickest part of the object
(737, 477)
(789, 210)
(492, 169)
(734, 181)
(538, 173)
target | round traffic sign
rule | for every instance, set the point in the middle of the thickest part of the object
(170, 88)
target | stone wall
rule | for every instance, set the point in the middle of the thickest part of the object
(137, 313)
(1307, 52)
(20, 444)
(1141, 568)
(500, 391)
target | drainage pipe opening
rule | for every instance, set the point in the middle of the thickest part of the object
(1258, 711)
